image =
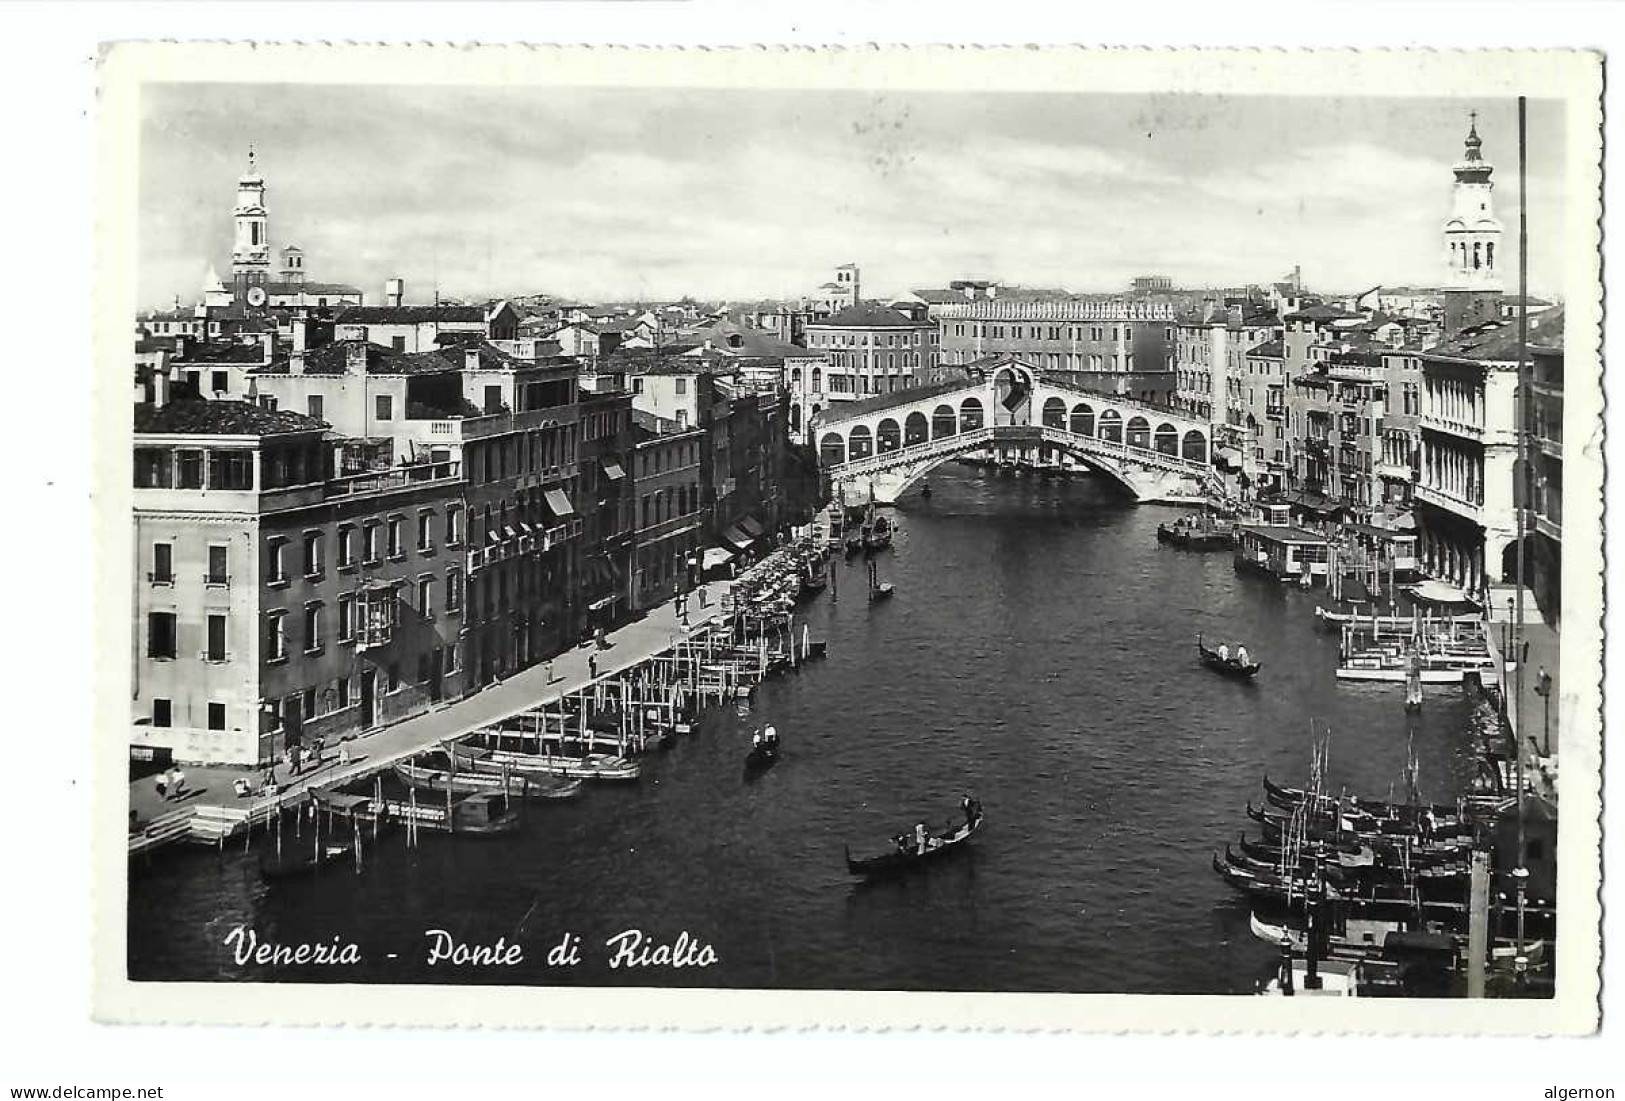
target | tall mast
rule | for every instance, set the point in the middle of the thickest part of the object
(1521, 489)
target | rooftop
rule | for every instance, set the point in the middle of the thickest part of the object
(410, 315)
(219, 418)
(334, 359)
(1497, 341)
(223, 353)
(1270, 349)
(866, 316)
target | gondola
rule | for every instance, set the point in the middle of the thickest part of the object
(1226, 667)
(881, 590)
(296, 860)
(762, 756)
(907, 858)
(854, 544)
(877, 536)
(1288, 798)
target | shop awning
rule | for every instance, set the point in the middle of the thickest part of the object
(716, 557)
(750, 527)
(1437, 592)
(559, 503)
(613, 469)
(1229, 456)
(600, 605)
(738, 538)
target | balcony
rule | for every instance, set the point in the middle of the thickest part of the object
(156, 578)
(217, 580)
(1463, 429)
(537, 540)
(392, 479)
(1440, 498)
(1397, 472)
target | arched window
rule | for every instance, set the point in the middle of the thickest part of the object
(1083, 420)
(832, 449)
(943, 422)
(1476, 257)
(1489, 255)
(817, 380)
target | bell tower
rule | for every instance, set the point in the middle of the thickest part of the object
(251, 252)
(1472, 235)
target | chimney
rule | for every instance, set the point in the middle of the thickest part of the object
(301, 334)
(394, 292)
(355, 357)
(1233, 316)
(268, 345)
(160, 381)
(471, 358)
(1209, 307)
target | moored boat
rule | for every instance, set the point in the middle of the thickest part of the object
(298, 859)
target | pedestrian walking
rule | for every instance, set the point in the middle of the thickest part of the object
(547, 668)
(179, 786)
(161, 785)
(592, 666)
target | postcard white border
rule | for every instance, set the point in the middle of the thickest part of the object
(1572, 76)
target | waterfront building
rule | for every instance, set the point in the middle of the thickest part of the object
(1124, 346)
(766, 361)
(874, 349)
(1464, 497)
(669, 510)
(1264, 417)
(602, 585)
(275, 598)
(1340, 404)
(1546, 475)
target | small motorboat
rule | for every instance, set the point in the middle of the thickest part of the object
(908, 854)
(296, 860)
(1227, 665)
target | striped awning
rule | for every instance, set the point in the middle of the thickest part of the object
(613, 469)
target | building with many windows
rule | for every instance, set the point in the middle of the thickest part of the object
(873, 349)
(276, 599)
(669, 508)
(1119, 346)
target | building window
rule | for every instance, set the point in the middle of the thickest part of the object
(393, 673)
(160, 712)
(369, 543)
(217, 639)
(681, 386)
(217, 574)
(425, 530)
(189, 469)
(313, 626)
(454, 590)
(309, 702)
(163, 564)
(346, 546)
(454, 525)
(275, 572)
(154, 468)
(426, 597)
(313, 554)
(217, 716)
(398, 343)
(231, 470)
(276, 636)
(342, 687)
(384, 407)
(346, 618)
(314, 405)
(397, 528)
(161, 635)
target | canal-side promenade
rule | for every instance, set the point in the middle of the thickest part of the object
(626, 647)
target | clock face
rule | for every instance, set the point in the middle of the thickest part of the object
(256, 296)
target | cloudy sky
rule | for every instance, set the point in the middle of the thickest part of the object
(616, 194)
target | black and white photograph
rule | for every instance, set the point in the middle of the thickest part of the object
(1073, 526)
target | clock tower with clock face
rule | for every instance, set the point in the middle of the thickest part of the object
(251, 252)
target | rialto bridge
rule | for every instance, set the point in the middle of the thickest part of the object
(886, 443)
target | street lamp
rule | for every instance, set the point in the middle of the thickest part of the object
(1543, 689)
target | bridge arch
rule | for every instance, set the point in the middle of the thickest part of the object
(943, 422)
(916, 429)
(1104, 465)
(971, 415)
(1166, 439)
(1194, 447)
(1139, 432)
(860, 443)
(831, 450)
(888, 435)
(1083, 419)
(1054, 413)
(1111, 425)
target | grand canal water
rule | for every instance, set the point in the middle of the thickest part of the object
(1039, 653)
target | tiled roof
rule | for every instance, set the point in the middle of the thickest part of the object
(333, 359)
(409, 315)
(223, 353)
(1497, 341)
(751, 342)
(1321, 313)
(220, 418)
(845, 409)
(865, 316)
(1270, 349)
(938, 296)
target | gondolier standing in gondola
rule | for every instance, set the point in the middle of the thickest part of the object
(1241, 655)
(968, 805)
(919, 838)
